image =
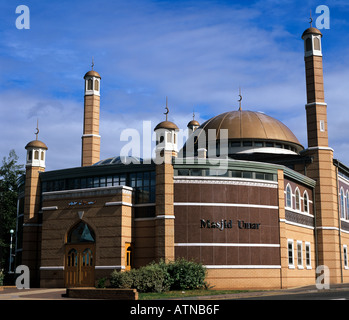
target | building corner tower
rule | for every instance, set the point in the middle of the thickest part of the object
(166, 150)
(321, 169)
(91, 140)
(35, 164)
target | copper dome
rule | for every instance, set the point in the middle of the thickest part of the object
(250, 125)
(92, 73)
(193, 123)
(36, 144)
(166, 125)
(311, 30)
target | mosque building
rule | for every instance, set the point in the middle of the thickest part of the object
(264, 212)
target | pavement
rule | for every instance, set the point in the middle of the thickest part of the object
(12, 293)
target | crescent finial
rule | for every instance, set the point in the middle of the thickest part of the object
(167, 109)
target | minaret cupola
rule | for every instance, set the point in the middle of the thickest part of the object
(36, 152)
(92, 82)
(166, 135)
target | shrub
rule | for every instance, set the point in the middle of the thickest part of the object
(121, 279)
(159, 277)
(2, 275)
(186, 275)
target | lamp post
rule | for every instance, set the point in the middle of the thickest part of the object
(9, 268)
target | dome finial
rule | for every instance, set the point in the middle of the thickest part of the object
(311, 20)
(93, 63)
(240, 98)
(37, 129)
(167, 109)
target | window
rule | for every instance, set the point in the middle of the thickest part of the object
(308, 45)
(288, 196)
(235, 144)
(322, 125)
(36, 155)
(90, 84)
(42, 155)
(290, 253)
(96, 85)
(30, 155)
(81, 233)
(316, 43)
(307, 255)
(347, 205)
(299, 254)
(298, 200)
(306, 202)
(342, 203)
(169, 137)
(345, 256)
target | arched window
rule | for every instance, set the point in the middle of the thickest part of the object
(30, 155)
(96, 85)
(288, 196)
(36, 155)
(306, 202)
(342, 201)
(90, 84)
(42, 156)
(72, 258)
(308, 46)
(81, 233)
(298, 200)
(347, 205)
(316, 44)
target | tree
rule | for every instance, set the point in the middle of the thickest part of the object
(10, 171)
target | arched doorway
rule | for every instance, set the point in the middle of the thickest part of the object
(79, 263)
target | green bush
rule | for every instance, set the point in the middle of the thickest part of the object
(2, 275)
(159, 277)
(186, 275)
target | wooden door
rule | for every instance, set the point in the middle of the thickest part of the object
(79, 265)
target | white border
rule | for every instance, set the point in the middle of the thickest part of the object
(243, 266)
(209, 204)
(198, 244)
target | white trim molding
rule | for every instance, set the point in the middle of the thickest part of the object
(90, 135)
(118, 203)
(243, 267)
(241, 205)
(109, 267)
(49, 208)
(194, 244)
(52, 268)
(225, 180)
(164, 216)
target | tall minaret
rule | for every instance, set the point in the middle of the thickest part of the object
(321, 169)
(91, 140)
(166, 149)
(316, 106)
(35, 164)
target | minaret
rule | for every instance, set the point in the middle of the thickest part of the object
(316, 106)
(35, 164)
(91, 140)
(36, 158)
(166, 149)
(321, 169)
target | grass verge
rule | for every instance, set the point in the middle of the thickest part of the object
(185, 294)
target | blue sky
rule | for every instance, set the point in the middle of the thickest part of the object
(197, 53)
